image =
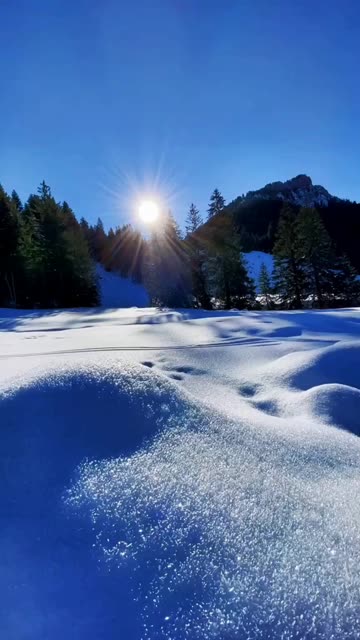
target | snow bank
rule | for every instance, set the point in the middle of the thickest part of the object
(182, 480)
(116, 291)
(336, 404)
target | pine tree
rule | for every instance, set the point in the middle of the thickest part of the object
(16, 201)
(166, 267)
(32, 252)
(197, 258)
(193, 220)
(85, 227)
(317, 252)
(68, 216)
(345, 283)
(78, 271)
(152, 271)
(229, 281)
(265, 285)
(9, 239)
(44, 191)
(216, 204)
(98, 241)
(289, 269)
(171, 228)
(198, 261)
(44, 255)
(57, 268)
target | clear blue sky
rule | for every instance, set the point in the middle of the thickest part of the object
(109, 99)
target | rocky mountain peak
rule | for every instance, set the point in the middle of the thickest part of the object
(299, 182)
(299, 191)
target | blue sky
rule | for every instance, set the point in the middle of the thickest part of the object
(112, 99)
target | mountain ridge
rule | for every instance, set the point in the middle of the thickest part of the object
(299, 191)
(256, 215)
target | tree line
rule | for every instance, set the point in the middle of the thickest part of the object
(44, 258)
(307, 269)
(48, 259)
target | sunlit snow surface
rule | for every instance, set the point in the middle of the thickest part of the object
(168, 476)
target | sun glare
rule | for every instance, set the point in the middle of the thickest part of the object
(148, 211)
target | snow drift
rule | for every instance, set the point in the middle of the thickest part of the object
(186, 480)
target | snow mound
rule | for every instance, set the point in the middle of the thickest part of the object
(336, 404)
(338, 363)
(224, 533)
(50, 585)
(116, 291)
(254, 260)
(321, 383)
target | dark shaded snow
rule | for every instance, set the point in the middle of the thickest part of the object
(116, 291)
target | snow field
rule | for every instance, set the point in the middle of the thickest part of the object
(189, 479)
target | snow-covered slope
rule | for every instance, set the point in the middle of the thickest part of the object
(116, 291)
(254, 260)
(185, 476)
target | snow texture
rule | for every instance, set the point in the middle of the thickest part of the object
(171, 475)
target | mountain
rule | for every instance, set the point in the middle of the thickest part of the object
(299, 191)
(256, 215)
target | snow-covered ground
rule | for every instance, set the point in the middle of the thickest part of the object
(180, 476)
(116, 291)
(254, 260)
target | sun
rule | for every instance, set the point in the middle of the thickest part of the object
(148, 211)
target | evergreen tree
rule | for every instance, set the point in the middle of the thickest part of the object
(16, 201)
(123, 252)
(198, 261)
(306, 265)
(44, 253)
(197, 258)
(171, 229)
(44, 191)
(57, 268)
(289, 269)
(33, 260)
(265, 285)
(166, 267)
(78, 271)
(229, 281)
(85, 228)
(152, 272)
(97, 239)
(344, 283)
(217, 203)
(9, 238)
(68, 216)
(317, 253)
(193, 220)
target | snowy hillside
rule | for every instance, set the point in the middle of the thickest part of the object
(185, 476)
(118, 292)
(254, 260)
